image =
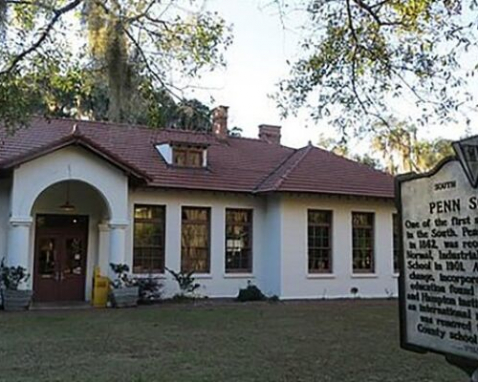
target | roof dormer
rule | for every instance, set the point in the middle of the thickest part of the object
(181, 154)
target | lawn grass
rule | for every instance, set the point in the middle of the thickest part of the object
(295, 341)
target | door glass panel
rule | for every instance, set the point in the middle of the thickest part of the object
(74, 256)
(47, 258)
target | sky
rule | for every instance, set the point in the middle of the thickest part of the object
(256, 61)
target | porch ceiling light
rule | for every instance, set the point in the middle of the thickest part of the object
(67, 206)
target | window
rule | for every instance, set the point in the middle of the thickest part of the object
(195, 238)
(319, 235)
(186, 156)
(363, 242)
(238, 240)
(149, 238)
(396, 244)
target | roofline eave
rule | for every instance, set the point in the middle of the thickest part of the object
(81, 141)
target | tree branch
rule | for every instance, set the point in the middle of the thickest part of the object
(374, 14)
(30, 3)
(148, 66)
(144, 13)
(351, 24)
(58, 14)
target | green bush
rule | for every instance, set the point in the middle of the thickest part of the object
(12, 277)
(186, 282)
(123, 277)
(150, 289)
(274, 298)
(251, 293)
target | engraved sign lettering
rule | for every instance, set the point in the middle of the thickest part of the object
(439, 273)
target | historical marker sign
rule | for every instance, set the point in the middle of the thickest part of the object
(439, 274)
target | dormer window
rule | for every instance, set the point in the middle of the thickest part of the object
(183, 154)
(187, 156)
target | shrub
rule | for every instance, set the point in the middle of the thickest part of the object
(150, 289)
(186, 283)
(250, 293)
(12, 277)
(274, 298)
(123, 278)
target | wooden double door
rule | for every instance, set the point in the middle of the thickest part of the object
(60, 258)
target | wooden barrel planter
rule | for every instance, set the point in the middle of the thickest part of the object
(125, 297)
(15, 300)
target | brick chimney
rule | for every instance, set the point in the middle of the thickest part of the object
(219, 121)
(270, 133)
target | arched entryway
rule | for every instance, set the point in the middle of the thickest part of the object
(98, 190)
(67, 245)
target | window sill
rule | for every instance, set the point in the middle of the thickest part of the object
(147, 275)
(238, 276)
(364, 276)
(188, 167)
(321, 276)
(202, 276)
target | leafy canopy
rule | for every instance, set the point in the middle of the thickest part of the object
(366, 60)
(396, 149)
(119, 54)
(403, 151)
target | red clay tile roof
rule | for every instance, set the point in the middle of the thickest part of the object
(76, 139)
(234, 164)
(314, 170)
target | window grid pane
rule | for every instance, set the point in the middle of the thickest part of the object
(319, 233)
(179, 156)
(363, 242)
(149, 239)
(188, 156)
(195, 240)
(238, 240)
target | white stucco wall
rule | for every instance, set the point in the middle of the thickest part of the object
(279, 228)
(217, 283)
(98, 189)
(296, 282)
(70, 163)
(279, 245)
(270, 258)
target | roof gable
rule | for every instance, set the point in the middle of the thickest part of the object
(74, 139)
(314, 170)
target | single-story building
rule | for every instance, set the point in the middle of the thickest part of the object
(298, 223)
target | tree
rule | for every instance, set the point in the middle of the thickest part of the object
(402, 151)
(133, 47)
(430, 153)
(368, 161)
(363, 58)
(83, 94)
(399, 148)
(235, 131)
(192, 115)
(341, 148)
(396, 147)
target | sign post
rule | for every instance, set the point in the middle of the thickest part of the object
(438, 282)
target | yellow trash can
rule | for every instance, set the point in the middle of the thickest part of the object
(101, 286)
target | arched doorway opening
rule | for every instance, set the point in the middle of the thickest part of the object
(67, 244)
